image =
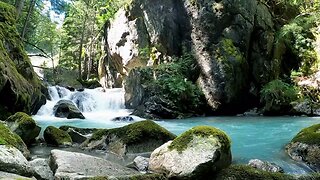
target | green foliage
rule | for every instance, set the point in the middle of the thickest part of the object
(309, 135)
(174, 82)
(182, 141)
(277, 95)
(299, 38)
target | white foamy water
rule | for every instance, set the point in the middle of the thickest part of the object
(97, 105)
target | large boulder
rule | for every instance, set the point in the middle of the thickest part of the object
(7, 137)
(71, 165)
(56, 137)
(6, 175)
(143, 136)
(42, 168)
(305, 147)
(20, 88)
(66, 109)
(197, 153)
(13, 161)
(23, 125)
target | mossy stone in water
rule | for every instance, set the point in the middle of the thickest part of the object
(309, 135)
(181, 142)
(7, 137)
(56, 137)
(143, 136)
(247, 172)
(137, 132)
(23, 125)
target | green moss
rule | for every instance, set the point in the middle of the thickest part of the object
(23, 119)
(55, 136)
(9, 138)
(310, 135)
(136, 133)
(231, 50)
(181, 142)
(7, 13)
(246, 172)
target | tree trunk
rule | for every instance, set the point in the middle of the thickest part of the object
(81, 47)
(19, 6)
(32, 4)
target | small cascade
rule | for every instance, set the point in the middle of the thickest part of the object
(95, 104)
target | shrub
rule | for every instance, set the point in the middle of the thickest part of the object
(277, 96)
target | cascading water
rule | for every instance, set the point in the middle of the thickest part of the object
(97, 105)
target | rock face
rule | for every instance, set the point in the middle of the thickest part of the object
(265, 166)
(197, 153)
(56, 137)
(20, 88)
(41, 167)
(70, 165)
(305, 147)
(66, 109)
(23, 125)
(140, 163)
(13, 161)
(143, 136)
(233, 43)
(9, 138)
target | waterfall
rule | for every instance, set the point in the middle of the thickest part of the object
(95, 104)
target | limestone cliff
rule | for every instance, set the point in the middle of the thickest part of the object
(232, 42)
(20, 88)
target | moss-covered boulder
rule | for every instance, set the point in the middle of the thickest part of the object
(143, 136)
(305, 146)
(20, 88)
(197, 153)
(246, 172)
(66, 109)
(7, 137)
(23, 125)
(56, 137)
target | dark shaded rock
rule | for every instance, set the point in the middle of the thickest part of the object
(66, 109)
(305, 147)
(72, 89)
(20, 88)
(76, 137)
(123, 118)
(71, 165)
(195, 154)
(23, 125)
(83, 131)
(143, 136)
(56, 137)
(265, 166)
(7, 137)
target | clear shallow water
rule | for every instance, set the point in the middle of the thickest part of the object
(252, 137)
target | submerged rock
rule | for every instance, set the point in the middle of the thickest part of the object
(305, 147)
(13, 161)
(23, 125)
(9, 138)
(71, 165)
(56, 137)
(66, 109)
(197, 153)
(265, 166)
(143, 136)
(123, 118)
